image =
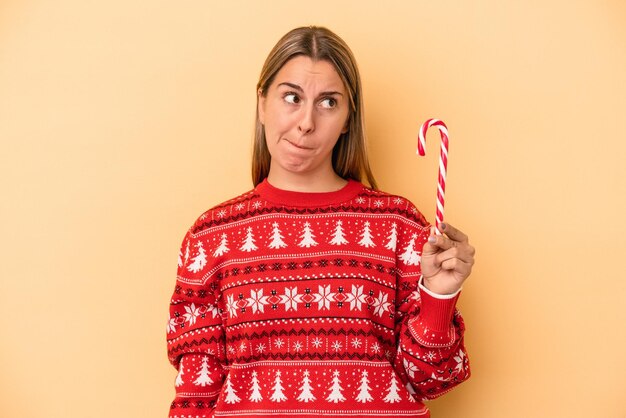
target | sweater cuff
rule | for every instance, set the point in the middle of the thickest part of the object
(433, 294)
(433, 325)
(436, 313)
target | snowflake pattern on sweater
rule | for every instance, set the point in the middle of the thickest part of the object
(304, 304)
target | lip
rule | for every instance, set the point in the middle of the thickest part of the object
(298, 146)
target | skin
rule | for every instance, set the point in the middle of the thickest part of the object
(447, 260)
(304, 112)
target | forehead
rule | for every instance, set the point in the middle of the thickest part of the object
(308, 73)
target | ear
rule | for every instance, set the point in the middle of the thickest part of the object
(261, 106)
(346, 126)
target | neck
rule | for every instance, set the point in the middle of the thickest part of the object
(328, 182)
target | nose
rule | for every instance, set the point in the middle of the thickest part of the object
(306, 123)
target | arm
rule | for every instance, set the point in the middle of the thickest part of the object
(195, 336)
(431, 354)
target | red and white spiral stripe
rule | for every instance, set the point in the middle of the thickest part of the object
(443, 163)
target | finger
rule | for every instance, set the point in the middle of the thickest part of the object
(457, 265)
(454, 233)
(429, 248)
(439, 241)
(463, 253)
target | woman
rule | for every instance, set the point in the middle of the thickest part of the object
(313, 294)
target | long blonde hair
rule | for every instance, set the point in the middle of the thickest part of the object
(318, 43)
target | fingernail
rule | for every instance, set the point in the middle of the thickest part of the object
(432, 240)
(443, 226)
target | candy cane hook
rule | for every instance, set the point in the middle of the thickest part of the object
(443, 163)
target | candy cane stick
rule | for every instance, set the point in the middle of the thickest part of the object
(443, 163)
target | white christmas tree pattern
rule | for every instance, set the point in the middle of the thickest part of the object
(306, 394)
(366, 236)
(248, 244)
(410, 257)
(199, 261)
(339, 237)
(231, 396)
(223, 247)
(277, 238)
(179, 377)
(364, 389)
(255, 396)
(278, 395)
(203, 378)
(393, 238)
(307, 237)
(335, 390)
(393, 395)
(415, 259)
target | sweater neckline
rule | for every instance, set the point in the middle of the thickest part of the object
(308, 199)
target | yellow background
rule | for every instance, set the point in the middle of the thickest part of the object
(122, 121)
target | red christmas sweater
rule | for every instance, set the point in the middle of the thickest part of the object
(308, 304)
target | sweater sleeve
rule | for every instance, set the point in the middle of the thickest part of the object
(431, 355)
(195, 334)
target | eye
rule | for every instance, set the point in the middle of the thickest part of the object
(329, 103)
(291, 98)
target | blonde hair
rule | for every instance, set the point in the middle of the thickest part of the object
(318, 43)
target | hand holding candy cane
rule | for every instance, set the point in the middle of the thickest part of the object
(447, 260)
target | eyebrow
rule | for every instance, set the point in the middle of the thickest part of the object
(297, 87)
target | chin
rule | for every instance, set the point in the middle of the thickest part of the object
(295, 166)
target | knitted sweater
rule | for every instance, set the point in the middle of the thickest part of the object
(308, 304)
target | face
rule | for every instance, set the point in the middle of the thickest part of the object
(304, 112)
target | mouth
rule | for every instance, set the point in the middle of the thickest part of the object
(298, 146)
